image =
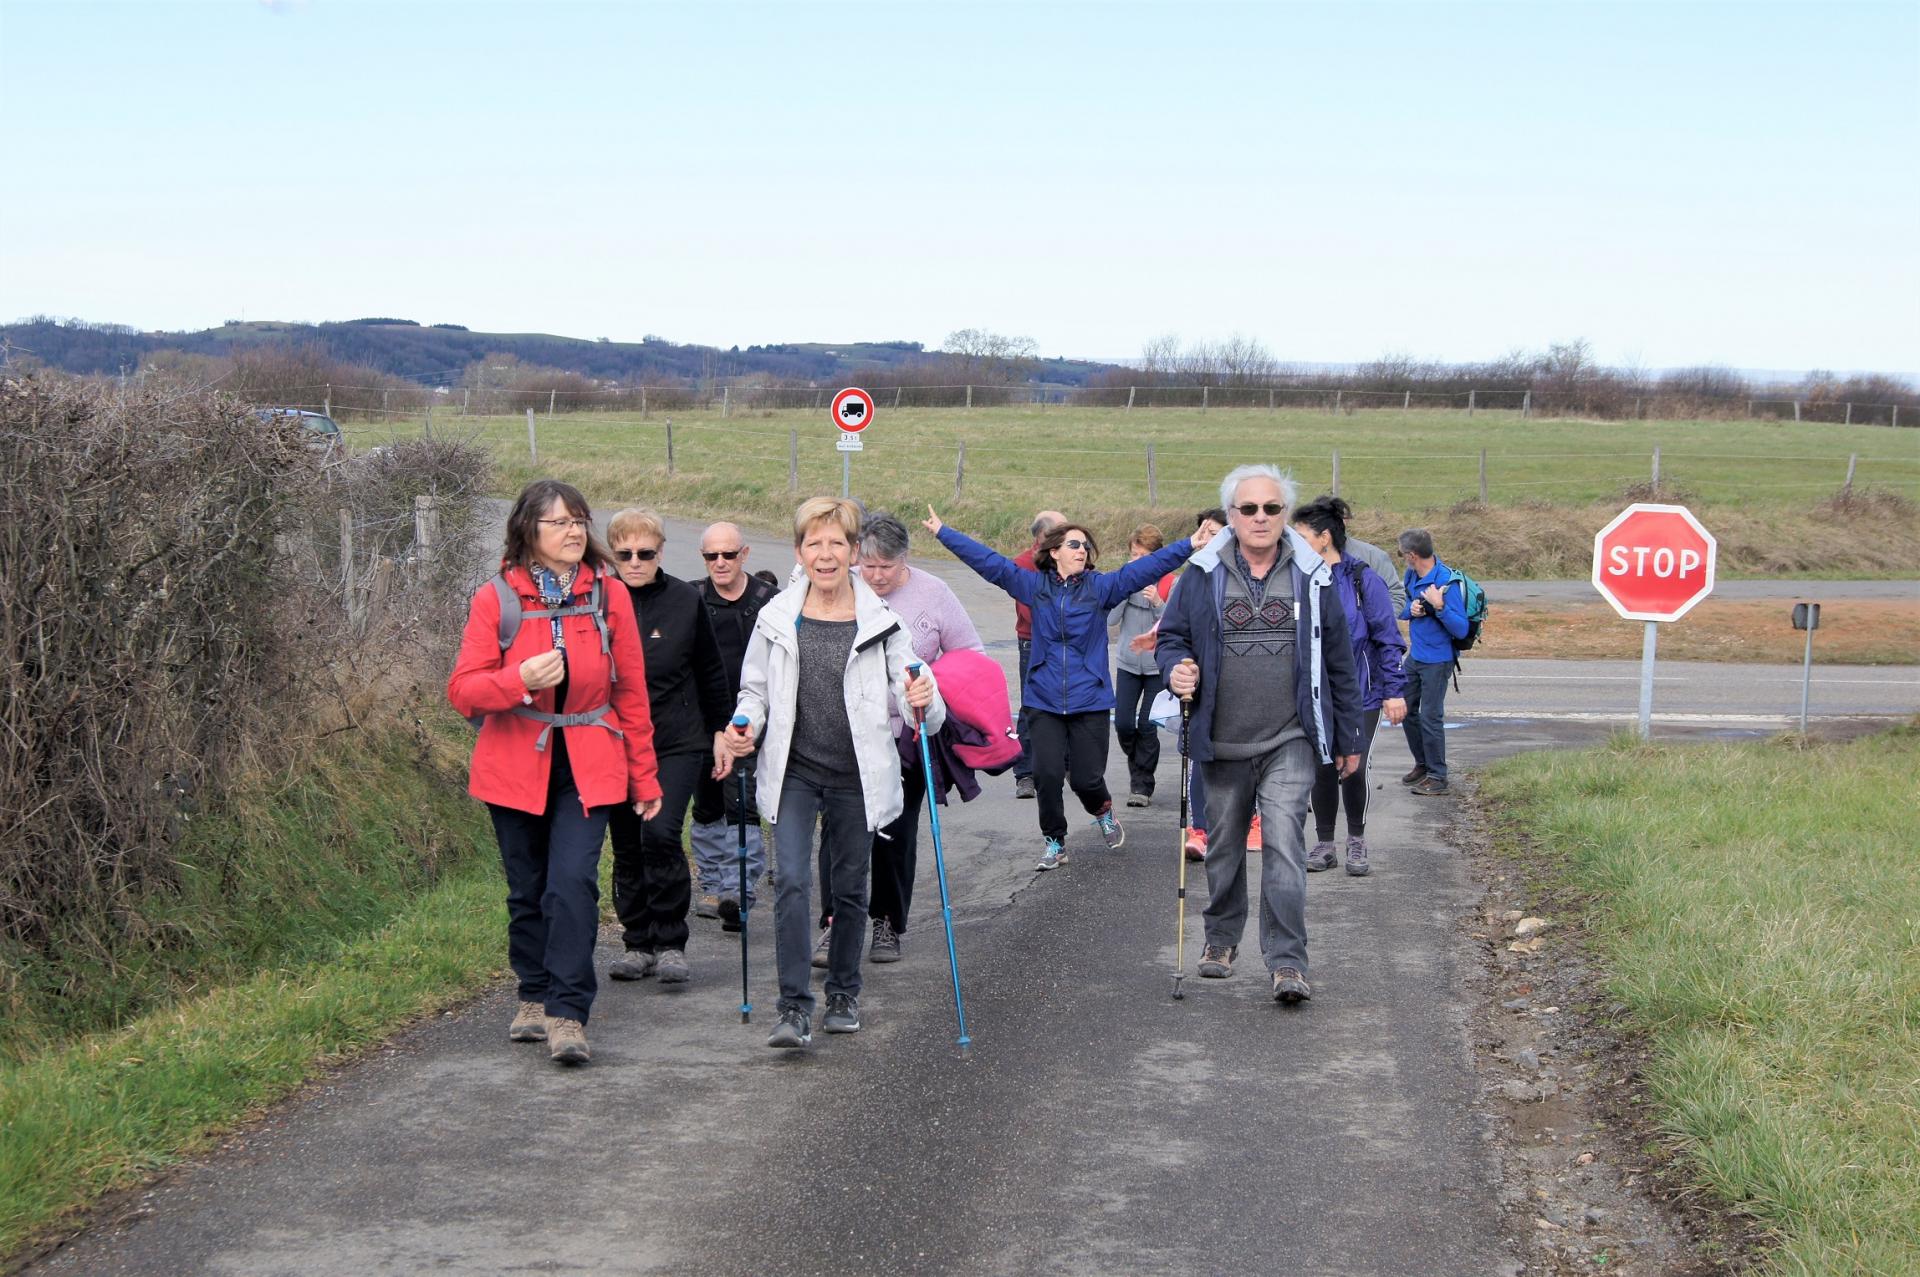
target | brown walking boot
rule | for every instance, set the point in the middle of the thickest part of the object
(567, 1040)
(529, 1023)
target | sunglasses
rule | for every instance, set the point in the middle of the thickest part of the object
(1074, 543)
(645, 556)
(1248, 509)
(728, 555)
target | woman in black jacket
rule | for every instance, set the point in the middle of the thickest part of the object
(687, 688)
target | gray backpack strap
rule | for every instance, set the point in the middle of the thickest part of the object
(509, 610)
(596, 717)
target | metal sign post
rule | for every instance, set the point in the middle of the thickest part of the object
(1806, 616)
(852, 411)
(1653, 563)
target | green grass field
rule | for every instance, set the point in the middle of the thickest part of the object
(1550, 483)
(1757, 909)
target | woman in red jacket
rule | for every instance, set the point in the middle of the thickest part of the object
(566, 736)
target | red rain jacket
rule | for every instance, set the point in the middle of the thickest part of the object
(507, 770)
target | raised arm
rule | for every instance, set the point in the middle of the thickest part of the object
(993, 567)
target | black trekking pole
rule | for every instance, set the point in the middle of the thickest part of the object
(1186, 778)
(940, 864)
(746, 1004)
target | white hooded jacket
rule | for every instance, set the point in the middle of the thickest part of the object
(876, 672)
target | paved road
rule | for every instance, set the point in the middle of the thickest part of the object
(1097, 1126)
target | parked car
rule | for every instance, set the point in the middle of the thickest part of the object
(323, 432)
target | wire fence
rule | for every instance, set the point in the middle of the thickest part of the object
(1600, 399)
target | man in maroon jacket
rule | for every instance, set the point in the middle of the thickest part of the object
(1043, 523)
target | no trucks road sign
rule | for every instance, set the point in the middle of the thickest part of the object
(853, 409)
(1653, 563)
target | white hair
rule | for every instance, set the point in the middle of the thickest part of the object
(1240, 474)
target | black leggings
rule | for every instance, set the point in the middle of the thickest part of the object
(1069, 748)
(1329, 790)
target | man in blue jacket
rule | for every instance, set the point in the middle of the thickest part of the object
(1436, 616)
(1255, 633)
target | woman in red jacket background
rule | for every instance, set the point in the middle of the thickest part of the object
(566, 736)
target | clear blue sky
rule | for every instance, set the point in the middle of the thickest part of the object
(1731, 183)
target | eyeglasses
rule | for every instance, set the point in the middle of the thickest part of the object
(565, 525)
(728, 555)
(645, 556)
(1074, 543)
(1247, 509)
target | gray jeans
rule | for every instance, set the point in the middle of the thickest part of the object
(1281, 780)
(846, 845)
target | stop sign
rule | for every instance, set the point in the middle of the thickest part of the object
(1653, 562)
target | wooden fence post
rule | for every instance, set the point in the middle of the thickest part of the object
(1336, 472)
(1336, 401)
(1896, 416)
(326, 406)
(896, 398)
(669, 445)
(552, 394)
(726, 401)
(1406, 401)
(643, 400)
(426, 529)
(1849, 414)
(466, 399)
(1130, 391)
(793, 459)
(1470, 403)
(1269, 398)
(1153, 480)
(1853, 459)
(1483, 476)
(1203, 398)
(346, 562)
(1526, 404)
(1656, 468)
(969, 398)
(959, 472)
(383, 402)
(533, 443)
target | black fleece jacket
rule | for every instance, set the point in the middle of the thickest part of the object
(686, 681)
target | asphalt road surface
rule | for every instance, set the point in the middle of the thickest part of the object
(1096, 1126)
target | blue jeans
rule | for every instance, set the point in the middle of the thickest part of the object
(552, 862)
(1280, 780)
(846, 843)
(1023, 765)
(1426, 724)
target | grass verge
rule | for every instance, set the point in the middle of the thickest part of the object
(250, 1020)
(1852, 632)
(1758, 909)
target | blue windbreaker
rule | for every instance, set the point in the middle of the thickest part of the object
(1068, 673)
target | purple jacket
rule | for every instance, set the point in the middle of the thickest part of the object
(1378, 649)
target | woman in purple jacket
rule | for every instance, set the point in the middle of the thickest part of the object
(1378, 651)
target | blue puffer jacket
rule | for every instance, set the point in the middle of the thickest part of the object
(1378, 649)
(1069, 672)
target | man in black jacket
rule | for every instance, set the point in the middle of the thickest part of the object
(688, 698)
(733, 598)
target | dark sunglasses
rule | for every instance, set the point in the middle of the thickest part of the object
(645, 556)
(1248, 509)
(728, 555)
(1074, 543)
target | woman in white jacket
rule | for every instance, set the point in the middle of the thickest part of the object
(824, 660)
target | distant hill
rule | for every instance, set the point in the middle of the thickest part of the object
(437, 354)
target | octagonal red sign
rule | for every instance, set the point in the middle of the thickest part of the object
(1653, 562)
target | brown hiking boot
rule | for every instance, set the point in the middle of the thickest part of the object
(567, 1041)
(529, 1023)
(1289, 986)
(1415, 776)
(1431, 787)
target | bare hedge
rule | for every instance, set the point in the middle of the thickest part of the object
(173, 601)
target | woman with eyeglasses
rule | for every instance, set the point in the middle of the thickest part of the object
(551, 666)
(688, 695)
(1068, 691)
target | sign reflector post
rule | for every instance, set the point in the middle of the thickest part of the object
(1806, 616)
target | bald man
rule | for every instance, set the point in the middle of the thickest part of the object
(1043, 523)
(733, 598)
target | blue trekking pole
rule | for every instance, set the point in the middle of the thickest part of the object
(746, 1004)
(940, 863)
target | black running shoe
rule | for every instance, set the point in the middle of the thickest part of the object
(794, 1030)
(843, 1014)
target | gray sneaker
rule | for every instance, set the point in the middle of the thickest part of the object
(843, 1014)
(1109, 826)
(794, 1030)
(631, 965)
(886, 944)
(1023, 787)
(1138, 799)
(1357, 857)
(707, 905)
(822, 947)
(1321, 857)
(671, 967)
(1289, 986)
